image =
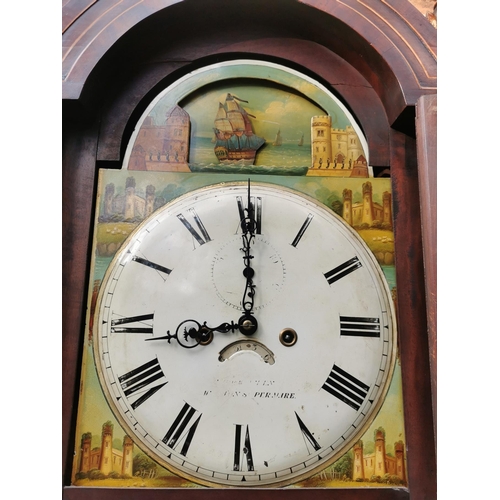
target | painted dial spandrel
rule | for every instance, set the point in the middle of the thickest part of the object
(245, 410)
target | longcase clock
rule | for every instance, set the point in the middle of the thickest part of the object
(243, 327)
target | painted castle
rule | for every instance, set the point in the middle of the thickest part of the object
(378, 463)
(129, 205)
(335, 151)
(163, 147)
(106, 458)
(366, 211)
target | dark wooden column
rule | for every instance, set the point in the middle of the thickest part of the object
(426, 131)
(412, 318)
(78, 191)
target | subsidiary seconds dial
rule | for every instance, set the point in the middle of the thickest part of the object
(245, 336)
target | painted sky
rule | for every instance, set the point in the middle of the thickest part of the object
(274, 109)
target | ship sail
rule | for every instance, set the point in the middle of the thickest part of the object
(278, 141)
(301, 141)
(222, 123)
(233, 130)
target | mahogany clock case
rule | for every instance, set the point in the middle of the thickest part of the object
(104, 96)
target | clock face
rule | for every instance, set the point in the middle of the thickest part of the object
(244, 336)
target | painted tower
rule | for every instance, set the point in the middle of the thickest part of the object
(380, 468)
(105, 462)
(360, 167)
(108, 199)
(176, 138)
(347, 208)
(367, 216)
(354, 149)
(137, 158)
(129, 211)
(399, 449)
(339, 147)
(387, 207)
(150, 200)
(358, 467)
(127, 461)
(321, 143)
(85, 452)
(150, 137)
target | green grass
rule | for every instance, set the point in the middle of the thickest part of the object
(113, 232)
(137, 482)
(378, 240)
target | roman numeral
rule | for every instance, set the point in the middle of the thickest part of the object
(258, 213)
(177, 434)
(240, 450)
(359, 327)
(345, 387)
(343, 270)
(132, 329)
(302, 230)
(152, 265)
(256, 204)
(201, 239)
(307, 434)
(141, 378)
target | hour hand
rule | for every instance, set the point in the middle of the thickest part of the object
(190, 333)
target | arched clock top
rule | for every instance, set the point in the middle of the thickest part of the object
(389, 43)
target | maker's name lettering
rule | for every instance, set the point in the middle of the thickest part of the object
(260, 395)
(275, 395)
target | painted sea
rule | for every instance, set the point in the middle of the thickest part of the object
(288, 159)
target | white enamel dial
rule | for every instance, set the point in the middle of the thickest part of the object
(266, 409)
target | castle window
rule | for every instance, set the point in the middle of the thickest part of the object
(321, 133)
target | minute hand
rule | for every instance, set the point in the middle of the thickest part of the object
(247, 323)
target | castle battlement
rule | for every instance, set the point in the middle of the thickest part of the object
(366, 211)
(106, 458)
(335, 151)
(378, 463)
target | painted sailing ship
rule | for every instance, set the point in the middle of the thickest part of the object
(278, 140)
(301, 141)
(235, 140)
